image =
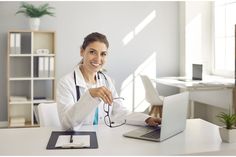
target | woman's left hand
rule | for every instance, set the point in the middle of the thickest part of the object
(152, 121)
(103, 93)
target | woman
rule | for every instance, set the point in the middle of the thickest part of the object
(88, 96)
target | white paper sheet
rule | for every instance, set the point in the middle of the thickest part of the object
(78, 141)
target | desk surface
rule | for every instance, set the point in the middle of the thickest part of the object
(208, 82)
(212, 90)
(199, 136)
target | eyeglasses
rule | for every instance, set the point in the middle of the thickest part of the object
(107, 118)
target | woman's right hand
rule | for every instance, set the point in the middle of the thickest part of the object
(103, 93)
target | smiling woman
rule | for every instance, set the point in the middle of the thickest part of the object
(93, 51)
(83, 93)
(160, 36)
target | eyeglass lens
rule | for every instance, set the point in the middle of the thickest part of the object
(107, 118)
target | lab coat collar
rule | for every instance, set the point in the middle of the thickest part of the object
(80, 81)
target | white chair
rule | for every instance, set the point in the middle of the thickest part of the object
(48, 115)
(152, 96)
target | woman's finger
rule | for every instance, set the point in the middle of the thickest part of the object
(107, 95)
(103, 93)
(108, 101)
(158, 120)
(151, 121)
(107, 98)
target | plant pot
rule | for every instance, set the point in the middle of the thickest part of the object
(228, 135)
(34, 23)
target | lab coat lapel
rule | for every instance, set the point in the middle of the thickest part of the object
(79, 78)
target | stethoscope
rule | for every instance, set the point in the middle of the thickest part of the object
(78, 88)
(99, 73)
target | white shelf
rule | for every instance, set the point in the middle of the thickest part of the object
(20, 79)
(35, 55)
(24, 69)
(43, 101)
(29, 78)
(44, 78)
(20, 102)
(44, 55)
(20, 55)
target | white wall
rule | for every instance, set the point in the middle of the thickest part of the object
(74, 20)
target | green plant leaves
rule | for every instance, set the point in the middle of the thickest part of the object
(30, 10)
(227, 119)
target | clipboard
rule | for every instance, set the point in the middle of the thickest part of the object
(55, 135)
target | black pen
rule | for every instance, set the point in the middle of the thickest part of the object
(71, 138)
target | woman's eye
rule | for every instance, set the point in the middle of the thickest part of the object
(104, 54)
(92, 52)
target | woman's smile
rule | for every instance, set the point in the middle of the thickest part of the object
(96, 65)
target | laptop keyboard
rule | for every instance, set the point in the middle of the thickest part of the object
(153, 134)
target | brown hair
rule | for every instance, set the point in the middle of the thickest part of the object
(95, 36)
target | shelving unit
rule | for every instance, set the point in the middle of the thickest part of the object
(31, 74)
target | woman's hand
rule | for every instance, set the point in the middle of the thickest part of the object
(103, 93)
(152, 121)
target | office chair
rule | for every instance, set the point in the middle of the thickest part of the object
(48, 115)
(152, 96)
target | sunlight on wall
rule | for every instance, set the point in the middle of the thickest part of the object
(128, 38)
(132, 87)
(194, 44)
(126, 92)
(139, 28)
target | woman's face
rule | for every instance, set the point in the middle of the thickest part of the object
(94, 56)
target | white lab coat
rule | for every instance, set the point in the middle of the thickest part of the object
(73, 114)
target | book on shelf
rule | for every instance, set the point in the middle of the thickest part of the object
(45, 67)
(18, 43)
(15, 43)
(41, 66)
(36, 67)
(17, 121)
(39, 98)
(51, 67)
(17, 124)
(36, 114)
(18, 98)
(12, 43)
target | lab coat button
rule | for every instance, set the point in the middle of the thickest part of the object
(100, 117)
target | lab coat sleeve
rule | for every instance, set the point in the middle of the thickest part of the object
(136, 118)
(120, 112)
(73, 113)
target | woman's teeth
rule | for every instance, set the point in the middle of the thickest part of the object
(95, 64)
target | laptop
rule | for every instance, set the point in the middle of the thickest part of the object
(174, 117)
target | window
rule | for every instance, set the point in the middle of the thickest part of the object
(224, 37)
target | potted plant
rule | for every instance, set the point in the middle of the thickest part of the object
(35, 13)
(228, 132)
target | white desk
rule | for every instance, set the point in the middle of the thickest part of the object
(212, 90)
(199, 136)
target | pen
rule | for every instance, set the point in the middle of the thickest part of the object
(71, 138)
